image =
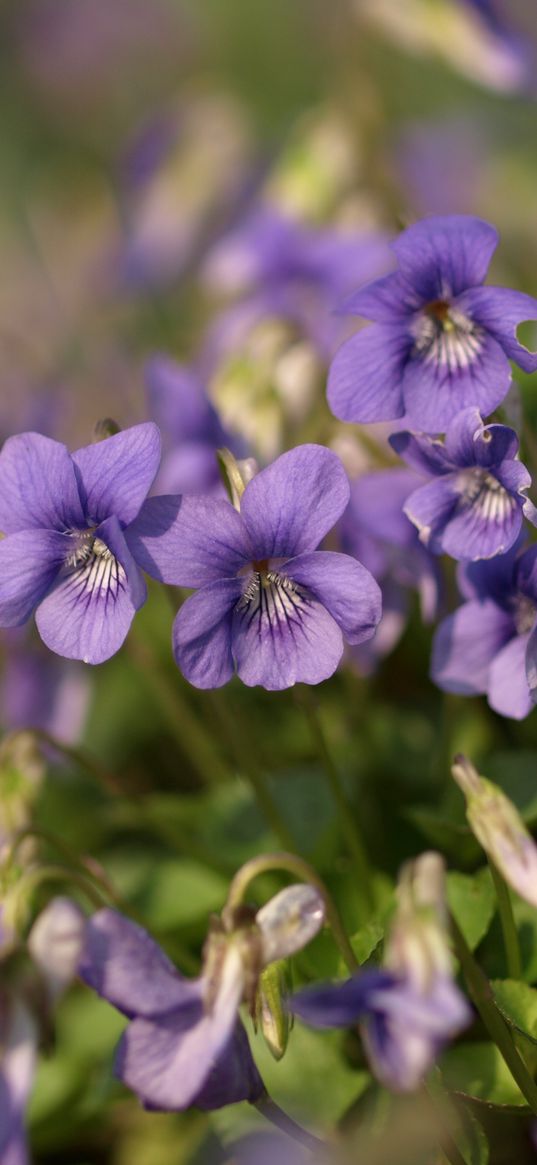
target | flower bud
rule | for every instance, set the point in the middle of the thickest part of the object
(55, 943)
(418, 945)
(289, 921)
(499, 829)
(271, 1009)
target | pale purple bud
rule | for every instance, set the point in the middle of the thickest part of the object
(499, 829)
(418, 946)
(289, 921)
(55, 943)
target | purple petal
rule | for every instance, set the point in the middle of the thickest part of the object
(178, 403)
(202, 634)
(347, 590)
(482, 526)
(376, 507)
(445, 254)
(526, 573)
(38, 486)
(500, 310)
(281, 638)
(421, 452)
(435, 392)
(90, 608)
(460, 439)
(116, 474)
(431, 507)
(365, 377)
(233, 1077)
(508, 687)
(340, 1004)
(384, 300)
(191, 468)
(167, 1060)
(290, 506)
(123, 964)
(495, 578)
(466, 644)
(29, 563)
(189, 541)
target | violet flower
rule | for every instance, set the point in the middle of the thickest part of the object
(185, 1044)
(376, 531)
(270, 605)
(409, 1009)
(474, 507)
(440, 340)
(489, 645)
(67, 552)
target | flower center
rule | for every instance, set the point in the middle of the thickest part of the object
(92, 567)
(271, 596)
(444, 335)
(481, 490)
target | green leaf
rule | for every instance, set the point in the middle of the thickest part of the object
(480, 1072)
(313, 1081)
(367, 939)
(517, 780)
(472, 900)
(452, 837)
(518, 1005)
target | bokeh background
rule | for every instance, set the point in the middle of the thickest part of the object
(134, 137)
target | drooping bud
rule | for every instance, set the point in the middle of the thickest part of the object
(499, 829)
(418, 946)
(272, 1014)
(55, 943)
(289, 921)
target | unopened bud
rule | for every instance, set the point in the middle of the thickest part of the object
(106, 427)
(499, 829)
(418, 945)
(235, 474)
(55, 943)
(271, 1009)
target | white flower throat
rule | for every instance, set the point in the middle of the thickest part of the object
(445, 336)
(92, 568)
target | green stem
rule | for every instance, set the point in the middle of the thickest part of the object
(192, 737)
(302, 870)
(346, 815)
(481, 993)
(82, 758)
(508, 925)
(238, 740)
(273, 1113)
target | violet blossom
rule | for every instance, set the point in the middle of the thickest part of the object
(488, 646)
(474, 506)
(440, 340)
(185, 1043)
(270, 605)
(66, 553)
(410, 1008)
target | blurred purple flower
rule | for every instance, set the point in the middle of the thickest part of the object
(489, 645)
(67, 552)
(270, 605)
(39, 690)
(375, 530)
(190, 428)
(440, 340)
(18, 1037)
(403, 1029)
(474, 507)
(185, 1044)
(284, 268)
